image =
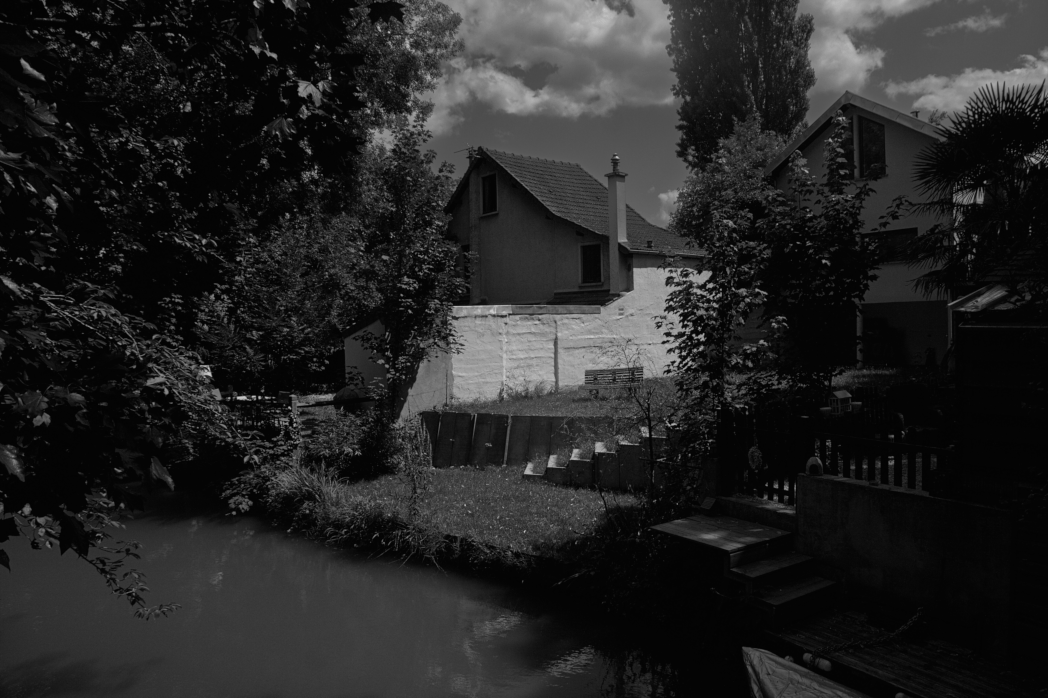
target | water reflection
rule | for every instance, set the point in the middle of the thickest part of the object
(268, 614)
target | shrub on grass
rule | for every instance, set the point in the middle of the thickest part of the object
(334, 441)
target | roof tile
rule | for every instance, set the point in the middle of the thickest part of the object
(573, 194)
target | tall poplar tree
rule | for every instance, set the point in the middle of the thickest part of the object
(734, 58)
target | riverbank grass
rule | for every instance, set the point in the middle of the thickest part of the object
(493, 507)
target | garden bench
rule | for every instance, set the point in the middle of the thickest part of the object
(614, 378)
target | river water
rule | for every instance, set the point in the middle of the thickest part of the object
(267, 614)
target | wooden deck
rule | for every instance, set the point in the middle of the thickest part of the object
(920, 668)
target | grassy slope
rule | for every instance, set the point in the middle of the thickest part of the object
(493, 506)
(568, 402)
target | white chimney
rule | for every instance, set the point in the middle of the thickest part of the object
(616, 225)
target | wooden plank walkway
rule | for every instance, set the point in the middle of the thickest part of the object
(917, 667)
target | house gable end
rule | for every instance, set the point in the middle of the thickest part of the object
(848, 102)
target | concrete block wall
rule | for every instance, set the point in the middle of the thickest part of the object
(514, 347)
(506, 348)
(952, 557)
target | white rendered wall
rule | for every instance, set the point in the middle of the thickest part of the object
(516, 347)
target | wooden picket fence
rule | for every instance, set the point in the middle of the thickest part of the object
(761, 454)
(892, 461)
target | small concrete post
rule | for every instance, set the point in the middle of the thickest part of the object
(632, 475)
(607, 468)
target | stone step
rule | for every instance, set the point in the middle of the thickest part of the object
(795, 599)
(580, 470)
(536, 470)
(733, 541)
(775, 569)
(556, 471)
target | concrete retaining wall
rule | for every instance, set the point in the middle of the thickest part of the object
(952, 557)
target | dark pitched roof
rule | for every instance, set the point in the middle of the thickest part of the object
(844, 100)
(573, 194)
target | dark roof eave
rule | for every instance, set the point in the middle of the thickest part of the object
(666, 253)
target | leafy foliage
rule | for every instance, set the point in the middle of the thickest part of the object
(141, 144)
(275, 319)
(987, 179)
(819, 268)
(718, 209)
(409, 261)
(790, 262)
(734, 58)
(90, 400)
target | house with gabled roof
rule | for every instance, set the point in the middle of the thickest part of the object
(898, 324)
(564, 276)
(537, 231)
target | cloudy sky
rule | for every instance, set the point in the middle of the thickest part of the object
(576, 80)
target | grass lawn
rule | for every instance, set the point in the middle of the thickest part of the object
(493, 505)
(497, 506)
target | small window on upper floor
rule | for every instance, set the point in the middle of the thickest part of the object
(590, 262)
(489, 194)
(872, 163)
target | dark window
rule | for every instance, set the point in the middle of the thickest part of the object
(871, 149)
(591, 263)
(489, 194)
(890, 245)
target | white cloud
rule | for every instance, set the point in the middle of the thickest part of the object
(839, 63)
(840, 60)
(975, 23)
(860, 14)
(667, 205)
(603, 59)
(949, 93)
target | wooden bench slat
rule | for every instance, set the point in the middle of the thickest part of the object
(613, 377)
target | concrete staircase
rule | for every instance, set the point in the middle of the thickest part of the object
(757, 562)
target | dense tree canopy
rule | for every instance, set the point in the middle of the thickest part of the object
(733, 58)
(277, 317)
(144, 145)
(987, 179)
(409, 263)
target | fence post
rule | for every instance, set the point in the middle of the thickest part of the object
(726, 463)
